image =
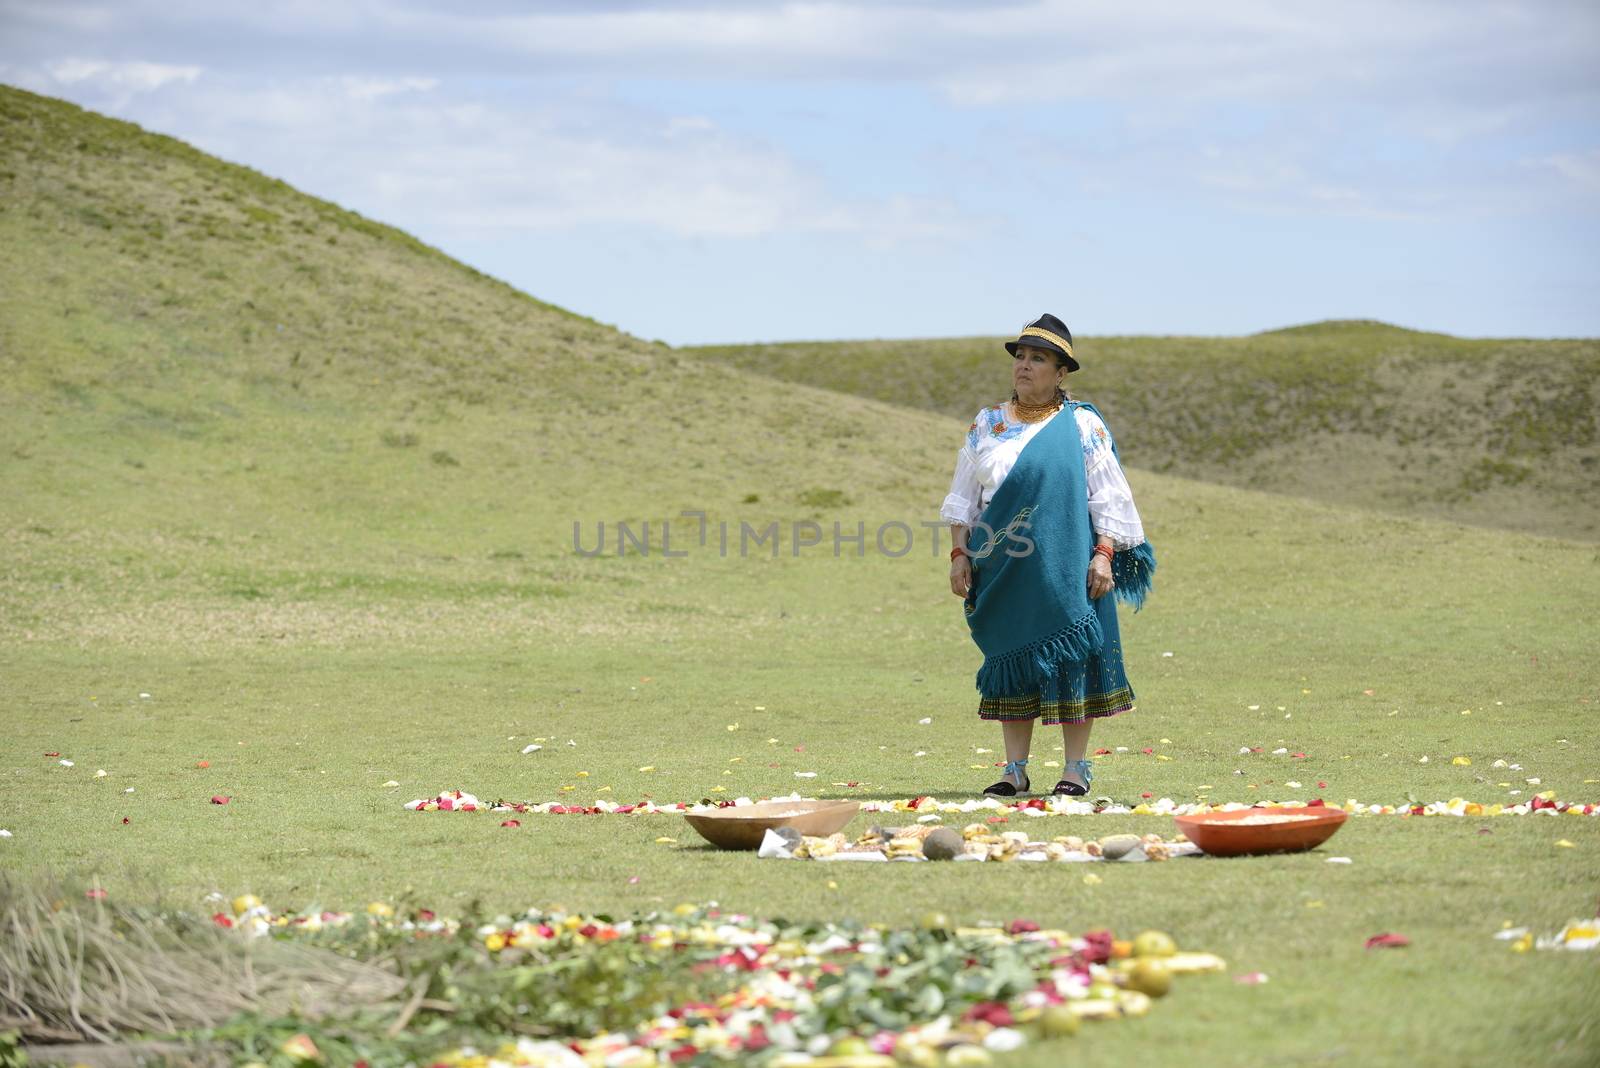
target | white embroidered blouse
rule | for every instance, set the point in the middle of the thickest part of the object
(994, 441)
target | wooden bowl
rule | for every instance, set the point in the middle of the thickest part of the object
(1225, 834)
(743, 827)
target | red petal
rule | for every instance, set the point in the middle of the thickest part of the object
(220, 799)
(1380, 941)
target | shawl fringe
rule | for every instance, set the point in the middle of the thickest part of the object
(1024, 670)
(1133, 570)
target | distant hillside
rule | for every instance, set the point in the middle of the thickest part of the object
(172, 322)
(1501, 432)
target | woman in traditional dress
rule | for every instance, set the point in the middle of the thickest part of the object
(1044, 528)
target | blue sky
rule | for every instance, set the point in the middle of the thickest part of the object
(702, 172)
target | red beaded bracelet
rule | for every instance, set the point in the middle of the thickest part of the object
(1105, 551)
(958, 551)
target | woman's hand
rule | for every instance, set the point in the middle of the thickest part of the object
(1100, 582)
(960, 576)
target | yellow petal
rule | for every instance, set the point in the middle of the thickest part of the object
(648, 767)
(1564, 844)
(1462, 762)
(664, 840)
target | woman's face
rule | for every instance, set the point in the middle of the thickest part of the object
(1034, 369)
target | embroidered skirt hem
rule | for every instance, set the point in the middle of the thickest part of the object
(1053, 712)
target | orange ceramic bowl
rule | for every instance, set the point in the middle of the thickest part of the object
(1261, 830)
(744, 827)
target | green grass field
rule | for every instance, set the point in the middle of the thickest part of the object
(340, 553)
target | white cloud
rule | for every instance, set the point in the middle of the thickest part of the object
(412, 152)
(437, 115)
(372, 88)
(1580, 168)
(135, 77)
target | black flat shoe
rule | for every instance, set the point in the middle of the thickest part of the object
(1005, 787)
(1068, 788)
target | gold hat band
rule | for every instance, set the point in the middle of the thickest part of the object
(1054, 339)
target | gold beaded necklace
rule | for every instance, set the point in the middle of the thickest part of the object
(1035, 413)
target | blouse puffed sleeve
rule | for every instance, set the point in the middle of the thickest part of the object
(963, 503)
(1111, 508)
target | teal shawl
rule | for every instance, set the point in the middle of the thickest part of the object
(1028, 606)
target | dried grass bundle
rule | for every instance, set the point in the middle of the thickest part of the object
(75, 970)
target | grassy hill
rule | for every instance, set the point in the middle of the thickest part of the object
(288, 514)
(193, 355)
(1499, 432)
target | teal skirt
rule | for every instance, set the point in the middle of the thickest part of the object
(1082, 690)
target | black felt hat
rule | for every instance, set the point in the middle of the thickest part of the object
(1048, 333)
